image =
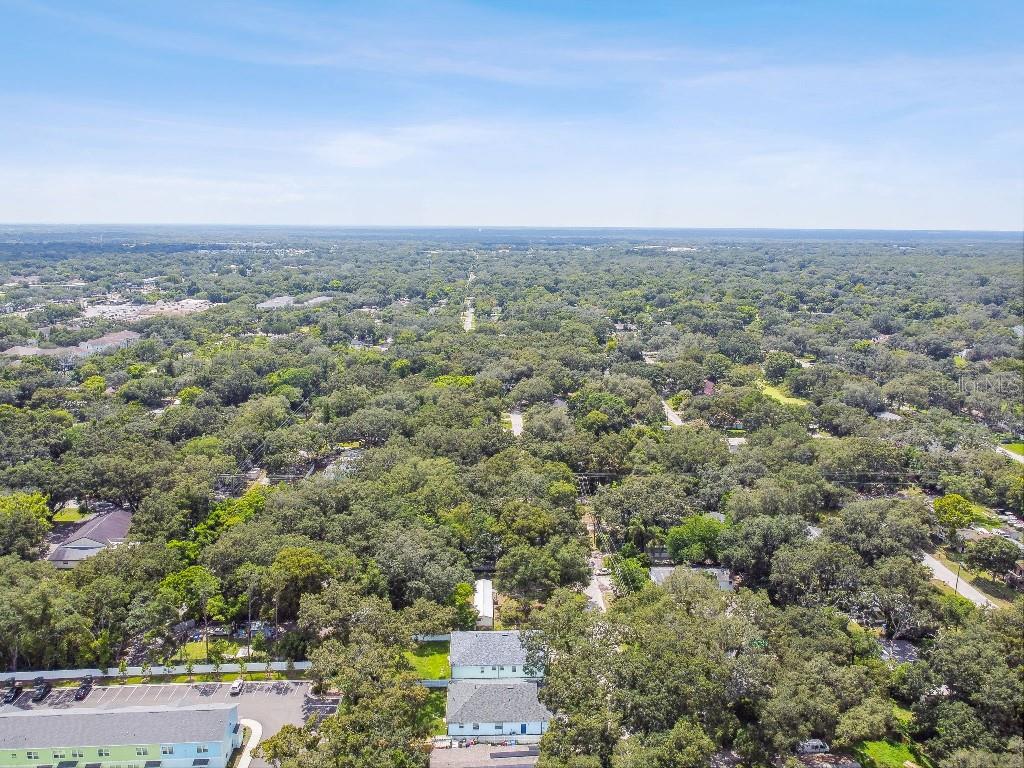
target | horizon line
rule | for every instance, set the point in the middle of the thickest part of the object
(482, 227)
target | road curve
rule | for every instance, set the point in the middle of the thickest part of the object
(254, 738)
(1010, 454)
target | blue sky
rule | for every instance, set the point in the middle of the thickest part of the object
(715, 114)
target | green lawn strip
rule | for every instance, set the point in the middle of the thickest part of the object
(430, 660)
(432, 712)
(246, 733)
(1017, 448)
(777, 394)
(69, 516)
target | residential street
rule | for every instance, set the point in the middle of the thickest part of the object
(1010, 454)
(673, 417)
(944, 574)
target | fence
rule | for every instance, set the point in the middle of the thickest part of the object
(159, 669)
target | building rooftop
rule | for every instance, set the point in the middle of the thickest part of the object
(470, 649)
(483, 598)
(494, 701)
(100, 532)
(46, 728)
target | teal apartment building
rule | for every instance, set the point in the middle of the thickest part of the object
(132, 737)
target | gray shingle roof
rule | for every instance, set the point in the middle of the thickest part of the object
(104, 529)
(46, 728)
(470, 649)
(494, 701)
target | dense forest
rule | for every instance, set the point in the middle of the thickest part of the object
(814, 415)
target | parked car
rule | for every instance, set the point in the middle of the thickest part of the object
(12, 693)
(236, 687)
(83, 688)
(40, 689)
(812, 747)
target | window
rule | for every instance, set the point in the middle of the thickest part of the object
(32, 755)
(59, 755)
(103, 752)
(476, 726)
(513, 669)
(481, 670)
(202, 749)
(141, 751)
(493, 669)
(167, 749)
(501, 668)
(78, 753)
(499, 726)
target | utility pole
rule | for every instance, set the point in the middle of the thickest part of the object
(956, 586)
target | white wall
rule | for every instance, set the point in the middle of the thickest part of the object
(490, 729)
(488, 672)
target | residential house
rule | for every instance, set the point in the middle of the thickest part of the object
(491, 710)
(722, 576)
(115, 340)
(104, 531)
(483, 601)
(164, 736)
(490, 656)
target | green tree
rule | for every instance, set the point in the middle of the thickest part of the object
(696, 540)
(993, 554)
(24, 521)
(953, 512)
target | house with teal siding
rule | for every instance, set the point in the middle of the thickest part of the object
(203, 736)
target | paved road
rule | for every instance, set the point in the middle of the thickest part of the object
(517, 423)
(1010, 454)
(674, 418)
(593, 590)
(944, 574)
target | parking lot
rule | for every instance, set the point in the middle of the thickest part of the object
(485, 756)
(272, 703)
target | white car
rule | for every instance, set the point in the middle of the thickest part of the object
(812, 747)
(236, 687)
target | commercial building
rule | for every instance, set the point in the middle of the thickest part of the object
(132, 737)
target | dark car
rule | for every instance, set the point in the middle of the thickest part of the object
(40, 688)
(83, 688)
(11, 694)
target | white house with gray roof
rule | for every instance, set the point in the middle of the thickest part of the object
(493, 709)
(147, 737)
(490, 656)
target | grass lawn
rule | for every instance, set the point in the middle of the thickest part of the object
(775, 393)
(984, 517)
(70, 515)
(1017, 448)
(889, 753)
(430, 660)
(433, 712)
(197, 650)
